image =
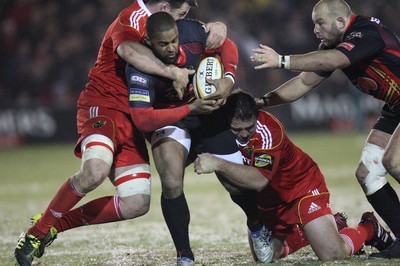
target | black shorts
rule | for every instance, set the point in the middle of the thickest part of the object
(388, 120)
(209, 133)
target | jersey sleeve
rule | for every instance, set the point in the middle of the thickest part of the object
(123, 32)
(229, 54)
(266, 161)
(141, 96)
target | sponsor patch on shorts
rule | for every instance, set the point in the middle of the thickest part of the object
(139, 95)
(263, 160)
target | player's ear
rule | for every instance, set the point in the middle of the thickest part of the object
(341, 23)
(147, 41)
(164, 7)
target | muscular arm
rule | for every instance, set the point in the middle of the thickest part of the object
(241, 176)
(292, 90)
(324, 60)
(144, 60)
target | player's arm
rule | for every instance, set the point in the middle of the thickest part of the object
(292, 90)
(229, 55)
(324, 60)
(217, 32)
(142, 58)
(241, 176)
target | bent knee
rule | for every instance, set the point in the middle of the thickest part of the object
(92, 174)
(134, 206)
(392, 165)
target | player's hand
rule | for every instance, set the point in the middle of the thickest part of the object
(266, 56)
(223, 86)
(205, 163)
(217, 32)
(181, 79)
(203, 106)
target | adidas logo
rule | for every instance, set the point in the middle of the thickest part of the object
(313, 207)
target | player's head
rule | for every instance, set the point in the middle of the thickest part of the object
(331, 18)
(163, 37)
(178, 9)
(242, 111)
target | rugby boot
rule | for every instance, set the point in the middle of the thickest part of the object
(341, 220)
(47, 240)
(261, 245)
(392, 252)
(25, 250)
(184, 261)
(382, 238)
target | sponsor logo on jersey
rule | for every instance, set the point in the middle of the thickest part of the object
(263, 161)
(313, 207)
(99, 124)
(346, 45)
(139, 80)
(354, 34)
(139, 95)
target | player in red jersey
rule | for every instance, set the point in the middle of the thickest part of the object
(108, 143)
(292, 195)
(368, 53)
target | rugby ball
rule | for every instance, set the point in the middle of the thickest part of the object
(209, 68)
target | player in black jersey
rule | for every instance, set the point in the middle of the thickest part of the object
(174, 129)
(368, 53)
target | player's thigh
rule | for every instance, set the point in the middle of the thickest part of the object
(391, 157)
(324, 238)
(169, 158)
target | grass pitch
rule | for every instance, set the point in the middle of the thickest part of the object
(31, 175)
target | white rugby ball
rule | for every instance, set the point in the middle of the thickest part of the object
(209, 68)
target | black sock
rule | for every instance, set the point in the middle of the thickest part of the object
(248, 202)
(177, 217)
(386, 203)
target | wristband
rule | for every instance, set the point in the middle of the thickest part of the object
(265, 100)
(230, 76)
(284, 61)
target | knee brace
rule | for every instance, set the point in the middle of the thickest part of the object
(99, 147)
(134, 181)
(371, 157)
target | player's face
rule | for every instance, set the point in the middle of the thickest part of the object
(165, 45)
(179, 13)
(243, 130)
(326, 28)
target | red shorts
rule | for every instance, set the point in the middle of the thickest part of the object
(281, 219)
(129, 144)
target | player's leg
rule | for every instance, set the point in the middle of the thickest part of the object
(371, 175)
(170, 146)
(391, 161)
(97, 156)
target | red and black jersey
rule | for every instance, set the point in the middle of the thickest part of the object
(292, 173)
(374, 53)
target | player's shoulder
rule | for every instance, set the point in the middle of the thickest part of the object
(134, 16)
(190, 29)
(270, 126)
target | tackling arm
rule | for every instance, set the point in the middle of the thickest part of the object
(144, 60)
(292, 90)
(241, 176)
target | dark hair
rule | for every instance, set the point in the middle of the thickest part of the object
(159, 22)
(241, 106)
(175, 4)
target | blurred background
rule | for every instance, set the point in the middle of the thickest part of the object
(47, 48)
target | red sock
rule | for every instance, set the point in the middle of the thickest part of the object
(98, 211)
(356, 236)
(63, 201)
(294, 241)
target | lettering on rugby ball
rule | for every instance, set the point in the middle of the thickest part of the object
(209, 68)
